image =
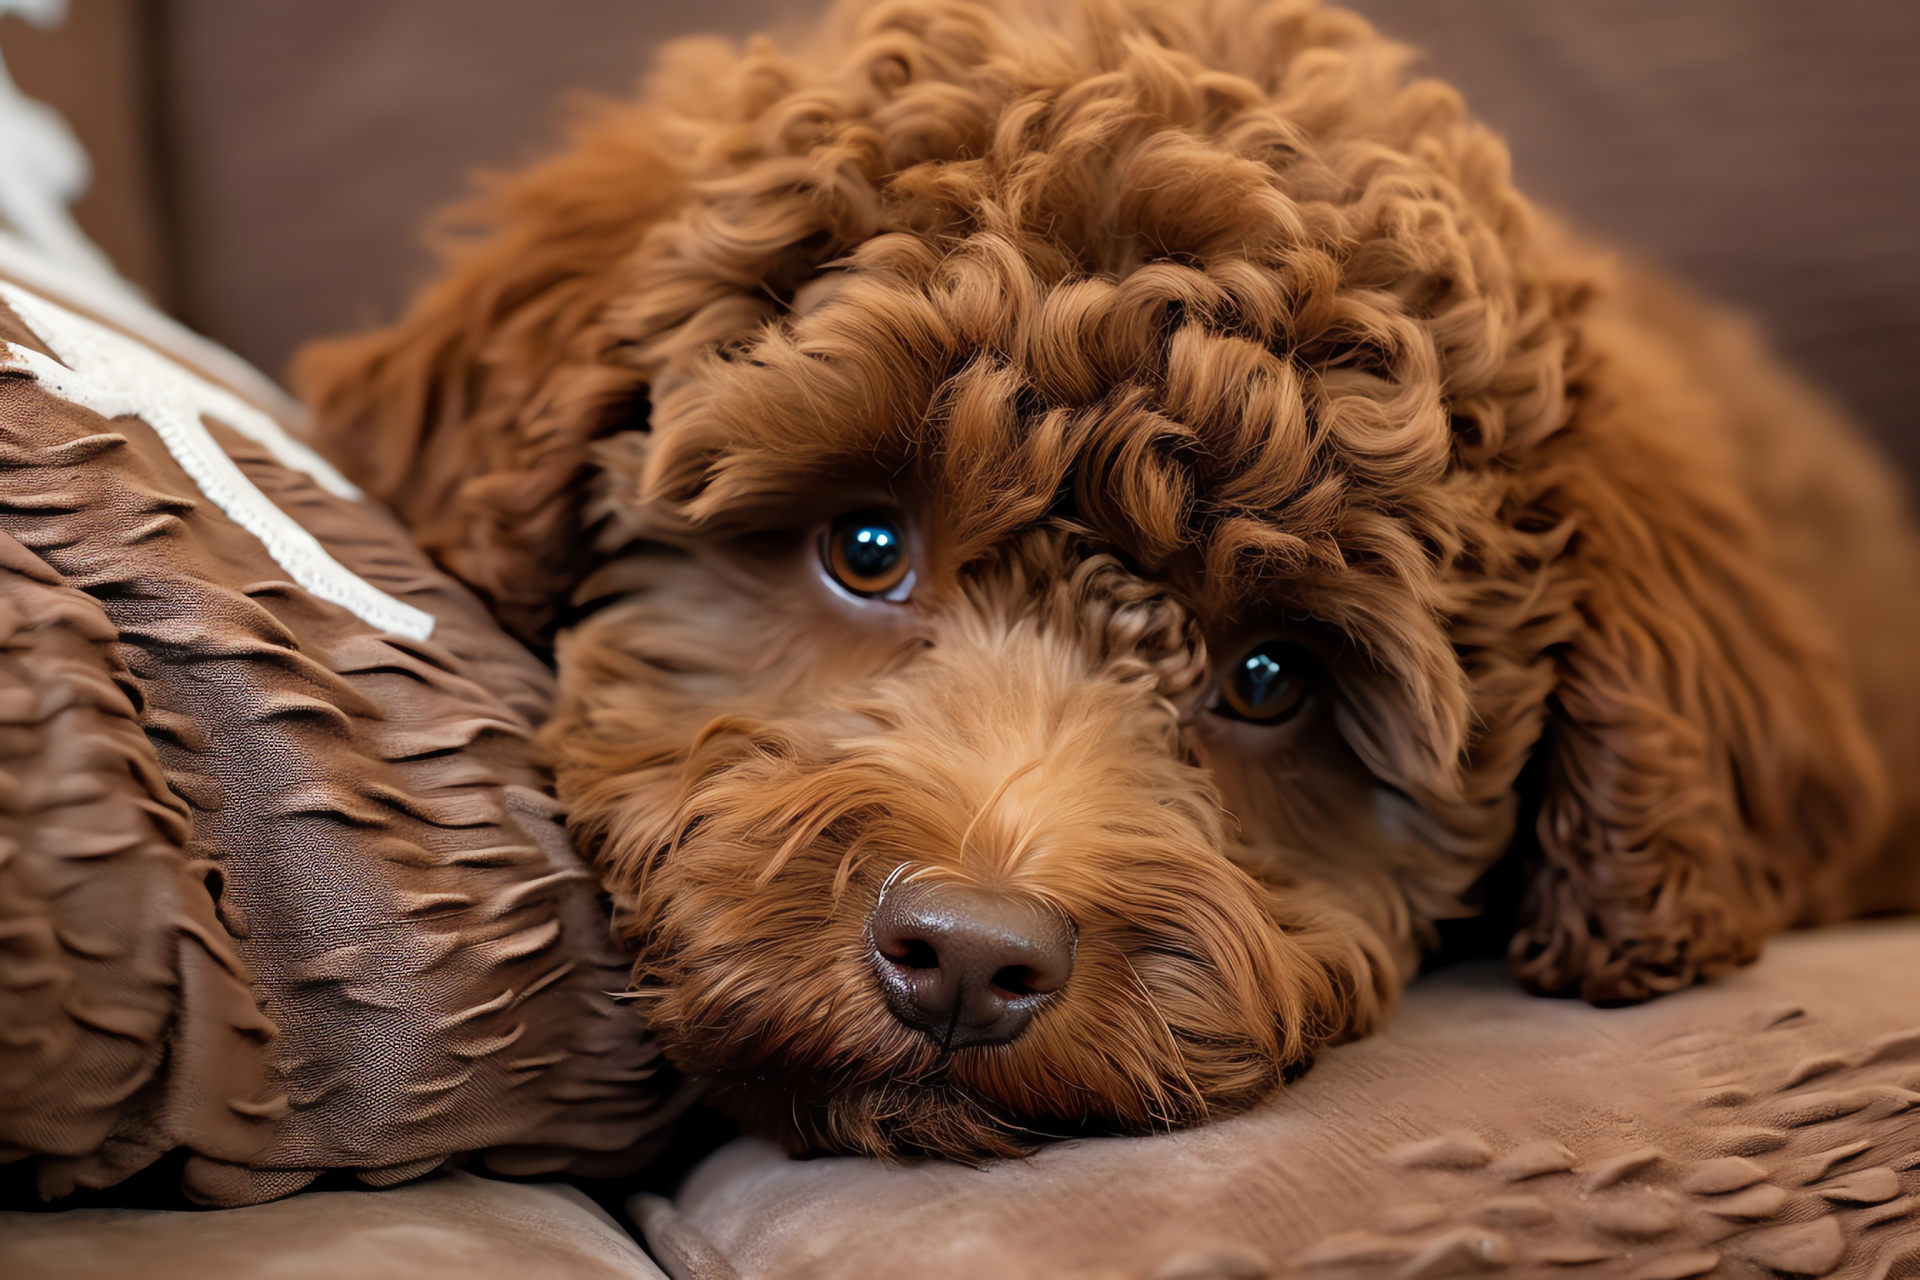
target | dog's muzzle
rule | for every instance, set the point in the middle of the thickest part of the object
(967, 966)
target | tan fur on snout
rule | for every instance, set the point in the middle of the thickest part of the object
(1165, 331)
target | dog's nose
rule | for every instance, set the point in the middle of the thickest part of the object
(967, 966)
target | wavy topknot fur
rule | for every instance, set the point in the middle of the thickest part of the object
(1164, 330)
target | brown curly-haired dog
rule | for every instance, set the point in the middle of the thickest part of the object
(1075, 539)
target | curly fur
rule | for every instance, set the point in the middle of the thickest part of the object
(1168, 328)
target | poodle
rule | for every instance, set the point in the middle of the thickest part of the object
(1081, 540)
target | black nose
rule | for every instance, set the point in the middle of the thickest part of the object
(967, 966)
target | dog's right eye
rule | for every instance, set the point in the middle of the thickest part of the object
(1267, 685)
(867, 554)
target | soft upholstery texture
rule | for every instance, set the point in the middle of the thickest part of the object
(1765, 1124)
(277, 887)
(456, 1227)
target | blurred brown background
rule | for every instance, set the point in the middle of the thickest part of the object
(262, 166)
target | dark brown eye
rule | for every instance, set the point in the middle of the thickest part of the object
(867, 554)
(1267, 685)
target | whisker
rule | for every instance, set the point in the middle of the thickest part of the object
(1173, 1042)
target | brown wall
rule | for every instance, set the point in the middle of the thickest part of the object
(1767, 149)
(312, 137)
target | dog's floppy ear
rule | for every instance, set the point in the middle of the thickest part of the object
(1705, 778)
(472, 416)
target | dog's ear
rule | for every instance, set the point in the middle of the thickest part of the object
(1704, 776)
(473, 416)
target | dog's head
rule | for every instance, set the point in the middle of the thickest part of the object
(1066, 539)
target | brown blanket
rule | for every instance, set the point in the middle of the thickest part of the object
(282, 886)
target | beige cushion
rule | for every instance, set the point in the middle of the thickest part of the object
(453, 1227)
(1766, 1123)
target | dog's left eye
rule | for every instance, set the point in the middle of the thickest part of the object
(1267, 685)
(867, 554)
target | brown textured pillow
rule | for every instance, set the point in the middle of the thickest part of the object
(280, 880)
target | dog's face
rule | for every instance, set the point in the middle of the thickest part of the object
(1021, 696)
(1090, 528)
(963, 728)
(940, 858)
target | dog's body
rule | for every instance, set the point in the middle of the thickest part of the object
(1076, 544)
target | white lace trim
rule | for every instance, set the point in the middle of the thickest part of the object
(115, 376)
